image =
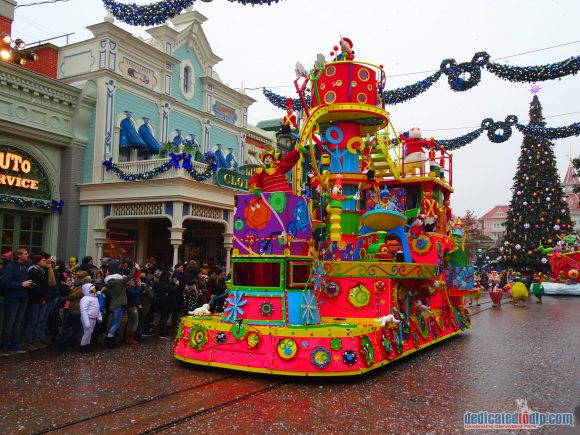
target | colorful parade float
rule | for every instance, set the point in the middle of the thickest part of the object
(564, 260)
(361, 263)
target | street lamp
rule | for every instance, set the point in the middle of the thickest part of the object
(15, 51)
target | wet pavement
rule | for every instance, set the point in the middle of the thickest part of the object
(511, 353)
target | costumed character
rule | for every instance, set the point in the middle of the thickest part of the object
(537, 288)
(201, 311)
(385, 202)
(387, 319)
(415, 157)
(417, 227)
(335, 201)
(519, 293)
(346, 49)
(477, 286)
(271, 176)
(289, 122)
(495, 291)
(430, 210)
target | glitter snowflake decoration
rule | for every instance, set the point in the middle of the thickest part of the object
(309, 307)
(235, 302)
(318, 275)
(535, 89)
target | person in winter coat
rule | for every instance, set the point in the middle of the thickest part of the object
(166, 293)
(134, 292)
(15, 287)
(90, 315)
(218, 290)
(38, 297)
(116, 290)
(71, 323)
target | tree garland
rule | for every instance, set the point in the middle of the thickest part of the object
(54, 205)
(464, 76)
(175, 161)
(501, 131)
(160, 11)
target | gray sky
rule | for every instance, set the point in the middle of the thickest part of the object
(261, 44)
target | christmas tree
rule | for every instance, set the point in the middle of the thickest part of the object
(538, 213)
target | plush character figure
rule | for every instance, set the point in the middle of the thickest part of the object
(537, 288)
(201, 311)
(519, 293)
(420, 307)
(476, 286)
(289, 121)
(495, 291)
(430, 210)
(387, 319)
(271, 176)
(417, 227)
(415, 156)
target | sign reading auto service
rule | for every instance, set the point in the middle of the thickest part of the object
(13, 171)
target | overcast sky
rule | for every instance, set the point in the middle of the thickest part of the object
(260, 46)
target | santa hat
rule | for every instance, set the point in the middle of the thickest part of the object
(289, 103)
(348, 41)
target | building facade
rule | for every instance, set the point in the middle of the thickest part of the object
(492, 222)
(43, 139)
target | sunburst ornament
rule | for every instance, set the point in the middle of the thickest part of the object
(309, 307)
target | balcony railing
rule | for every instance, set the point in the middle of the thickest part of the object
(141, 166)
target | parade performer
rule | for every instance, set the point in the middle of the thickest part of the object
(271, 176)
(537, 288)
(415, 156)
(385, 202)
(495, 291)
(430, 210)
(335, 202)
(289, 122)
(346, 50)
(477, 286)
(519, 293)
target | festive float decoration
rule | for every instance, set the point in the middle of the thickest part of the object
(323, 282)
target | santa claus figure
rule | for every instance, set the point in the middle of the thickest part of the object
(415, 156)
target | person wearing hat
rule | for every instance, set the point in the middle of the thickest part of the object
(346, 49)
(271, 177)
(385, 202)
(289, 122)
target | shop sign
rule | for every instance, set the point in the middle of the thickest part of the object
(17, 167)
(139, 73)
(232, 179)
(225, 113)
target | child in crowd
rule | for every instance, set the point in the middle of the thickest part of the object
(90, 315)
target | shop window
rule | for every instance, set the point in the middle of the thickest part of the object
(257, 274)
(120, 244)
(21, 231)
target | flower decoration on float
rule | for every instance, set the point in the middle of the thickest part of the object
(53, 205)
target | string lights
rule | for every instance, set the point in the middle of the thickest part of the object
(53, 205)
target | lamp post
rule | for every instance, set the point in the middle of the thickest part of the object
(14, 50)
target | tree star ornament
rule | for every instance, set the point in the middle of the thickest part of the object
(535, 89)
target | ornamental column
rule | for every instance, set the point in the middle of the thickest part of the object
(100, 240)
(176, 240)
(228, 244)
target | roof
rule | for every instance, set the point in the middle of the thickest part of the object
(496, 209)
(570, 179)
(270, 124)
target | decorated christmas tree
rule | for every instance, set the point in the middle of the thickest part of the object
(538, 213)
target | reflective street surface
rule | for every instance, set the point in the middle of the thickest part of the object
(511, 353)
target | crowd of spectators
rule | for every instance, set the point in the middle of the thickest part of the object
(45, 301)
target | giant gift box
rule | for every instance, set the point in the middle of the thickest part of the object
(275, 223)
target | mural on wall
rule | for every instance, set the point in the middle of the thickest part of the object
(138, 73)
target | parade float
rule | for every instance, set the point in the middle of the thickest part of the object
(564, 261)
(361, 263)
